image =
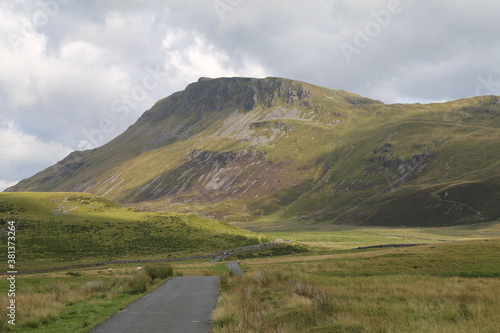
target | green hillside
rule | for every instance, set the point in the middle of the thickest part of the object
(244, 149)
(68, 227)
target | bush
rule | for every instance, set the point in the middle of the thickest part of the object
(159, 271)
(138, 284)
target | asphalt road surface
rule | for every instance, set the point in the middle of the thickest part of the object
(181, 305)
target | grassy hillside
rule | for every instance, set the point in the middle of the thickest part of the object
(59, 228)
(244, 149)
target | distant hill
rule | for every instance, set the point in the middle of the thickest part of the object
(278, 149)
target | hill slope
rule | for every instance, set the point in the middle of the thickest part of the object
(70, 227)
(240, 149)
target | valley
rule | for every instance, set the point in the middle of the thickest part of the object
(321, 282)
(391, 212)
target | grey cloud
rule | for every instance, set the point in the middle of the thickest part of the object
(430, 51)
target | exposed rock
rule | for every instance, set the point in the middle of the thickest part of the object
(275, 147)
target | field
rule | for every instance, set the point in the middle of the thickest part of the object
(442, 286)
(323, 237)
(438, 287)
(321, 282)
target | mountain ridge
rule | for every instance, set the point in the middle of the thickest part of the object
(246, 148)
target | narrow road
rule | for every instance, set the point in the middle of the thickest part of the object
(181, 305)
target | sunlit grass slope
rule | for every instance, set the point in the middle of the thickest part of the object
(67, 227)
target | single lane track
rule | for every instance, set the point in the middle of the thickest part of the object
(181, 305)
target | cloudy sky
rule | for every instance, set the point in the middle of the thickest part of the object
(74, 74)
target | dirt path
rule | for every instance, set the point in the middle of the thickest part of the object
(181, 305)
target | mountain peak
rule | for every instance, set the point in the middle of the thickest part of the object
(220, 94)
(241, 148)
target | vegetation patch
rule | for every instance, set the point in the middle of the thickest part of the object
(77, 301)
(275, 251)
(449, 287)
(56, 229)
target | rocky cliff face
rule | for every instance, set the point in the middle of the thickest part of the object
(242, 148)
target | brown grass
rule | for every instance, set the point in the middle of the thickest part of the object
(42, 300)
(270, 301)
(451, 287)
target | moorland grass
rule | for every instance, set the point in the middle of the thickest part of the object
(79, 300)
(449, 287)
(323, 237)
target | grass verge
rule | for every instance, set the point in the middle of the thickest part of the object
(77, 301)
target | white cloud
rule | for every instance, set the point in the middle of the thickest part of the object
(22, 154)
(173, 37)
(4, 184)
(201, 58)
(80, 53)
(60, 77)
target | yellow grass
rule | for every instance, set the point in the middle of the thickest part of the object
(270, 301)
(435, 288)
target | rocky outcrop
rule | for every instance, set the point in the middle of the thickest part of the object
(278, 146)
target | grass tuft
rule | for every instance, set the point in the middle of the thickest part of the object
(96, 287)
(159, 271)
(139, 283)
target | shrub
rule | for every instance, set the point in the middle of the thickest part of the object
(159, 271)
(138, 284)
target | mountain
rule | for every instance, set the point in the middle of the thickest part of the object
(277, 149)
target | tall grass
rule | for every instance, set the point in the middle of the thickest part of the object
(49, 303)
(289, 302)
(270, 301)
(159, 271)
(140, 282)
